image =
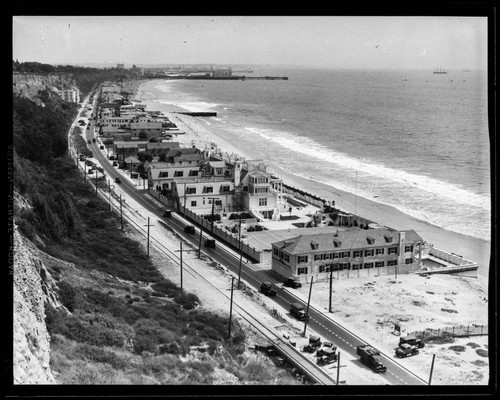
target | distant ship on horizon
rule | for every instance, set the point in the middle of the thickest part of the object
(440, 71)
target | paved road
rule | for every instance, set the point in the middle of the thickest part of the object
(320, 323)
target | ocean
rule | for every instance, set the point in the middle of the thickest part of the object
(410, 139)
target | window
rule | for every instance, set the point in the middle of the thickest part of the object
(178, 173)
(368, 253)
(408, 248)
(346, 254)
(275, 251)
(388, 239)
(379, 264)
(287, 258)
(317, 257)
(335, 255)
(191, 190)
(327, 256)
(218, 202)
(163, 174)
(314, 246)
(301, 270)
(370, 240)
(336, 243)
(325, 268)
(368, 265)
(208, 189)
(392, 262)
(355, 266)
(356, 253)
(409, 261)
(193, 173)
(193, 203)
(379, 251)
(262, 202)
(392, 250)
(302, 259)
(225, 188)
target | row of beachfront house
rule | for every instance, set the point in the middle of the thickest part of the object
(204, 182)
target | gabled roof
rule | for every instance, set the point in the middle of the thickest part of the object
(217, 164)
(351, 239)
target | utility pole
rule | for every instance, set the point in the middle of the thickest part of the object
(213, 205)
(199, 245)
(121, 212)
(432, 368)
(148, 225)
(95, 182)
(181, 264)
(307, 308)
(241, 257)
(330, 301)
(109, 193)
(338, 368)
(230, 308)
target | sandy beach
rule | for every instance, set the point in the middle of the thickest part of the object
(200, 132)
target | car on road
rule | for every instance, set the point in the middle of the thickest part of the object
(115, 163)
(167, 213)
(189, 229)
(210, 243)
(292, 282)
(101, 147)
(267, 289)
(93, 140)
(118, 180)
(88, 141)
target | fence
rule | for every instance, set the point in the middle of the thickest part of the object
(454, 331)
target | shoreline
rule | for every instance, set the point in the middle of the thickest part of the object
(474, 249)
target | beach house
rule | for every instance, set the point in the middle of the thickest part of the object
(351, 253)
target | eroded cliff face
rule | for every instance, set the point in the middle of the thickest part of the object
(33, 286)
(28, 85)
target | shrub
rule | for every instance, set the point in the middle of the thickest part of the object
(67, 295)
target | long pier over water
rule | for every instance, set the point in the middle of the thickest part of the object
(220, 78)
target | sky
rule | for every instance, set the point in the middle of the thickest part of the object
(335, 41)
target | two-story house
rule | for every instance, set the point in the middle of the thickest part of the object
(350, 253)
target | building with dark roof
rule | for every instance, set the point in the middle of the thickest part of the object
(353, 252)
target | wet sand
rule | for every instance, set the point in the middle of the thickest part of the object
(199, 132)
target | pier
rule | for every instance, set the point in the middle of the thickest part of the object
(221, 78)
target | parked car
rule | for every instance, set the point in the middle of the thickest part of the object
(292, 282)
(189, 229)
(101, 147)
(115, 163)
(118, 180)
(167, 213)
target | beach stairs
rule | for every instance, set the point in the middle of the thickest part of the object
(257, 214)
